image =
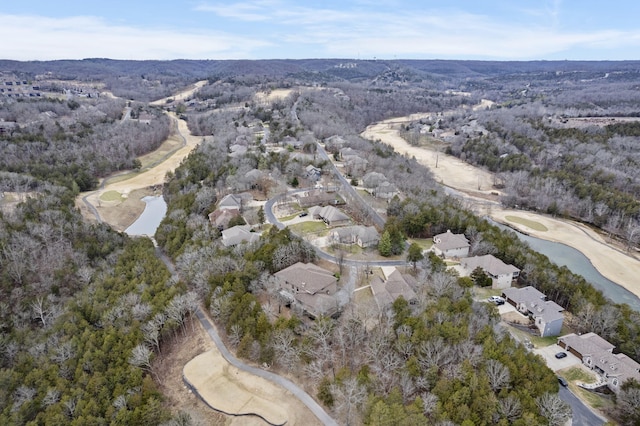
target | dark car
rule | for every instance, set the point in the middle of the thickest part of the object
(303, 214)
(563, 381)
(561, 355)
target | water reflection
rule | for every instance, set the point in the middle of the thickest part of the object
(578, 263)
(150, 218)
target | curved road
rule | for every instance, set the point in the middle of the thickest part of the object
(279, 380)
(298, 392)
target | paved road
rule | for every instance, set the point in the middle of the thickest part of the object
(582, 415)
(279, 380)
(306, 399)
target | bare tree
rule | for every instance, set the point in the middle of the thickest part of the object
(555, 410)
(510, 408)
(348, 397)
(498, 374)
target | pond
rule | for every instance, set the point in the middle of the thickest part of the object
(578, 263)
(150, 218)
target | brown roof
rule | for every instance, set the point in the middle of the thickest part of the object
(490, 264)
(450, 241)
(308, 277)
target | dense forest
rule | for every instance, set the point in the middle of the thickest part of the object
(85, 309)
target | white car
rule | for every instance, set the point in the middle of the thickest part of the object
(496, 299)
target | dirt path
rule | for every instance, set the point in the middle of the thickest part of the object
(607, 259)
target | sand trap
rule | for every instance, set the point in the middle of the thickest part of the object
(617, 266)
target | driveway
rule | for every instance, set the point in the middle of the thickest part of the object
(555, 364)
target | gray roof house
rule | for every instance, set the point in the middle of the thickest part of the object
(373, 179)
(330, 215)
(312, 172)
(363, 236)
(231, 201)
(221, 218)
(238, 235)
(385, 190)
(546, 314)
(311, 287)
(386, 291)
(597, 354)
(316, 197)
(502, 275)
(449, 244)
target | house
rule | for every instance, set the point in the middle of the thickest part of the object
(221, 218)
(546, 314)
(330, 215)
(334, 143)
(502, 275)
(238, 235)
(597, 354)
(312, 172)
(231, 201)
(385, 190)
(363, 236)
(317, 197)
(373, 179)
(355, 165)
(311, 287)
(386, 291)
(451, 245)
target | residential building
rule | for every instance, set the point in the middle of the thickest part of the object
(394, 284)
(231, 201)
(449, 244)
(221, 218)
(363, 236)
(502, 275)
(329, 215)
(546, 314)
(597, 354)
(239, 234)
(311, 287)
(317, 197)
(312, 172)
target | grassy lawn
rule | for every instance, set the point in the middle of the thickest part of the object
(111, 196)
(424, 243)
(286, 218)
(578, 374)
(309, 227)
(347, 248)
(528, 223)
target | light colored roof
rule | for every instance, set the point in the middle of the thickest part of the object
(331, 214)
(490, 264)
(387, 291)
(230, 201)
(222, 217)
(365, 233)
(307, 277)
(450, 241)
(535, 302)
(587, 344)
(239, 234)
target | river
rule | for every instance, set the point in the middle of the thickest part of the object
(578, 263)
(150, 218)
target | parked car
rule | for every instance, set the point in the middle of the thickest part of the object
(303, 214)
(563, 381)
(496, 299)
(561, 355)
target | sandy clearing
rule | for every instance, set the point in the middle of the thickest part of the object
(615, 265)
(231, 390)
(450, 171)
(273, 95)
(182, 95)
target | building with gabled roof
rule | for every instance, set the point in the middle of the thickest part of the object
(597, 354)
(231, 201)
(221, 218)
(311, 287)
(449, 244)
(329, 215)
(363, 236)
(546, 314)
(239, 234)
(386, 291)
(502, 275)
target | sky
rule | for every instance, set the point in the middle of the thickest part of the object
(286, 29)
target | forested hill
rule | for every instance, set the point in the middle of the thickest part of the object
(148, 80)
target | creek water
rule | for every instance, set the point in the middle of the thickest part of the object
(578, 263)
(150, 218)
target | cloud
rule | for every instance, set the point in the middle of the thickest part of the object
(43, 38)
